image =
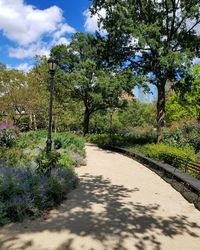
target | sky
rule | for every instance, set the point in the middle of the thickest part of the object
(29, 27)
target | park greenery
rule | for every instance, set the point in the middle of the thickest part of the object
(31, 180)
(143, 43)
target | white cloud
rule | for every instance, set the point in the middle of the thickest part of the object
(24, 67)
(91, 22)
(63, 29)
(61, 40)
(39, 48)
(27, 26)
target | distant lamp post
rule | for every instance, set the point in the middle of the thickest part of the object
(52, 64)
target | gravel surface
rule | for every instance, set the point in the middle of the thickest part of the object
(118, 205)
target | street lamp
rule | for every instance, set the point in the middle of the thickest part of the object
(52, 64)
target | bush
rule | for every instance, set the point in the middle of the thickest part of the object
(14, 157)
(140, 135)
(70, 142)
(99, 139)
(65, 161)
(57, 143)
(29, 147)
(166, 153)
(186, 133)
(135, 136)
(47, 161)
(25, 193)
(8, 134)
(44, 179)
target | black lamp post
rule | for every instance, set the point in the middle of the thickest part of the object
(52, 63)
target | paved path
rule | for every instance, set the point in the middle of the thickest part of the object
(119, 205)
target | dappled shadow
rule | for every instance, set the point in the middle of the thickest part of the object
(102, 210)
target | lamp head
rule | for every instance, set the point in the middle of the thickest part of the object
(52, 63)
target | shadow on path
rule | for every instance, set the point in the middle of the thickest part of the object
(102, 210)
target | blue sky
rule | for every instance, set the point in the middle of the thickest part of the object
(30, 27)
(33, 26)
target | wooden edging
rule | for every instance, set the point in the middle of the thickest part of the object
(187, 179)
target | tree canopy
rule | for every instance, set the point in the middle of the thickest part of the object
(159, 39)
(85, 78)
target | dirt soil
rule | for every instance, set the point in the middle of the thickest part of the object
(118, 205)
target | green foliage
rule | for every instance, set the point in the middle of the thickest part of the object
(139, 135)
(65, 161)
(136, 116)
(153, 40)
(7, 137)
(8, 134)
(47, 161)
(29, 150)
(166, 153)
(101, 140)
(182, 134)
(135, 136)
(34, 179)
(24, 193)
(86, 78)
(177, 110)
(57, 143)
(187, 102)
(14, 157)
(70, 142)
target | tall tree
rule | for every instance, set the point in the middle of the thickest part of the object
(185, 103)
(87, 79)
(12, 98)
(158, 37)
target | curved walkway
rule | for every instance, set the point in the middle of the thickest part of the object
(119, 205)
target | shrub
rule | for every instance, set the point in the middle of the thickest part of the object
(141, 135)
(188, 132)
(57, 143)
(135, 136)
(8, 134)
(65, 161)
(101, 140)
(166, 153)
(70, 141)
(25, 193)
(47, 161)
(14, 157)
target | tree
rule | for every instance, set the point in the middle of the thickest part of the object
(86, 78)
(12, 98)
(24, 95)
(185, 103)
(158, 38)
(138, 114)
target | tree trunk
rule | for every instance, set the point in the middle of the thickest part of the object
(86, 122)
(160, 110)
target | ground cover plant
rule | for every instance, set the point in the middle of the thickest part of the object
(8, 134)
(31, 180)
(173, 155)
